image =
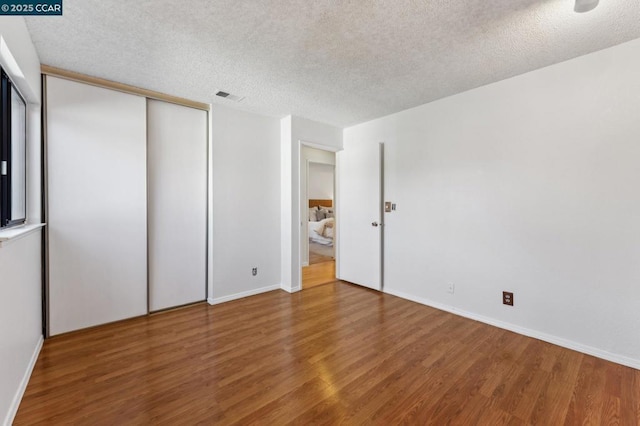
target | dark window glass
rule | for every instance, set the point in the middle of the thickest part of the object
(13, 155)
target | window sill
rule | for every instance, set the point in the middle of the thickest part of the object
(7, 236)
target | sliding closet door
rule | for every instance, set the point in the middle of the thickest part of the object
(177, 176)
(96, 143)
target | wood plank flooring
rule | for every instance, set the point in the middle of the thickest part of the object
(318, 274)
(333, 354)
(318, 258)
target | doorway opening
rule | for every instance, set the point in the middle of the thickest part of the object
(317, 197)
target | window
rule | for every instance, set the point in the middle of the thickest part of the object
(13, 158)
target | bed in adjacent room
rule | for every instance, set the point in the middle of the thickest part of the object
(321, 228)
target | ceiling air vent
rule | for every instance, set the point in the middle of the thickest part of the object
(229, 96)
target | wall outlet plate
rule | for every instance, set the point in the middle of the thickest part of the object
(507, 298)
(451, 288)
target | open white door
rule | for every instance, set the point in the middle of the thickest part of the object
(360, 222)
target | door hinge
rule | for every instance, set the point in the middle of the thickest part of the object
(3, 168)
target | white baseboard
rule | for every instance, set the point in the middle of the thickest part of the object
(290, 289)
(560, 341)
(17, 398)
(217, 300)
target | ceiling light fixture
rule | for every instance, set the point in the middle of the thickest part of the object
(585, 5)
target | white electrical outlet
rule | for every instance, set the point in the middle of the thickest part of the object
(451, 288)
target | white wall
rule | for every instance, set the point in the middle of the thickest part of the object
(286, 200)
(20, 262)
(296, 131)
(320, 181)
(320, 177)
(528, 185)
(246, 203)
(20, 318)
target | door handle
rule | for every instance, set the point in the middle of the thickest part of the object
(374, 223)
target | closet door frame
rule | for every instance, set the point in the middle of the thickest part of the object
(46, 71)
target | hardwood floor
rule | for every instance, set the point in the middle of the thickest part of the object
(318, 258)
(318, 274)
(331, 354)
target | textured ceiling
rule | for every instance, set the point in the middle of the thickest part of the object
(340, 62)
